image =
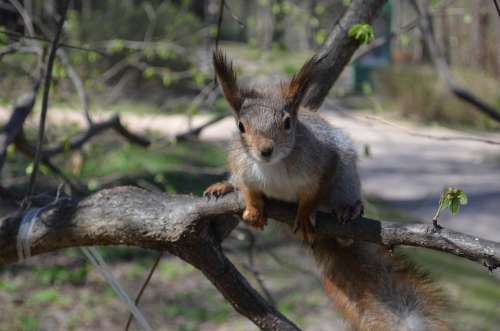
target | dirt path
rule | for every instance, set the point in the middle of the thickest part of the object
(407, 171)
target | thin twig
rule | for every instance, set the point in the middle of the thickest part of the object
(219, 23)
(113, 123)
(77, 83)
(28, 23)
(236, 18)
(497, 7)
(143, 287)
(17, 35)
(434, 137)
(251, 266)
(193, 133)
(45, 99)
(24, 147)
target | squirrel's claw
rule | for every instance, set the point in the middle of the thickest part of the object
(306, 227)
(218, 190)
(346, 213)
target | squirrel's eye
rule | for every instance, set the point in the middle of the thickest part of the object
(241, 127)
(286, 124)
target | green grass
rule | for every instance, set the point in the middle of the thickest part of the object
(418, 93)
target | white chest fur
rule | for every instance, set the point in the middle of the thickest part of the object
(276, 181)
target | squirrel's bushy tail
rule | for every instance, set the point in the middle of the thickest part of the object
(377, 291)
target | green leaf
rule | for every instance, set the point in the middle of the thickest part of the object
(29, 169)
(462, 197)
(363, 33)
(452, 198)
(454, 206)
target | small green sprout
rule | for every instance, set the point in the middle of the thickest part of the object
(451, 198)
(363, 33)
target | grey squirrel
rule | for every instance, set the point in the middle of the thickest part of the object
(286, 152)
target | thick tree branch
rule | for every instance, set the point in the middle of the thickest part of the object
(338, 49)
(132, 216)
(192, 228)
(186, 226)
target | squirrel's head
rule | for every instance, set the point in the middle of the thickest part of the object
(266, 119)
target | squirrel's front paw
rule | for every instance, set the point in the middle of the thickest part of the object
(348, 213)
(254, 217)
(218, 190)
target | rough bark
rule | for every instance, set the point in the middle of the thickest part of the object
(189, 227)
(338, 49)
(135, 217)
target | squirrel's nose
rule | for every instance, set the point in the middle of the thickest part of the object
(267, 151)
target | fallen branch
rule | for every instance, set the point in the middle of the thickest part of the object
(443, 70)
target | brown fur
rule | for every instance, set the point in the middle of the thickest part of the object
(227, 80)
(315, 165)
(297, 88)
(254, 211)
(367, 283)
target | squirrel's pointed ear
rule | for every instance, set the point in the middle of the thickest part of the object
(295, 91)
(227, 80)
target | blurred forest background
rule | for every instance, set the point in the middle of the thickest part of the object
(149, 62)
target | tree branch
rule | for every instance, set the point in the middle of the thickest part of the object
(45, 98)
(95, 129)
(443, 70)
(194, 133)
(77, 83)
(132, 216)
(186, 226)
(22, 108)
(192, 228)
(338, 49)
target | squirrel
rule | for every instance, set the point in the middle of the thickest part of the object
(287, 152)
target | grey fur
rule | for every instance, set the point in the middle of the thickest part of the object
(300, 157)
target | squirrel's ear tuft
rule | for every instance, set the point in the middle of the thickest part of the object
(295, 91)
(227, 80)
